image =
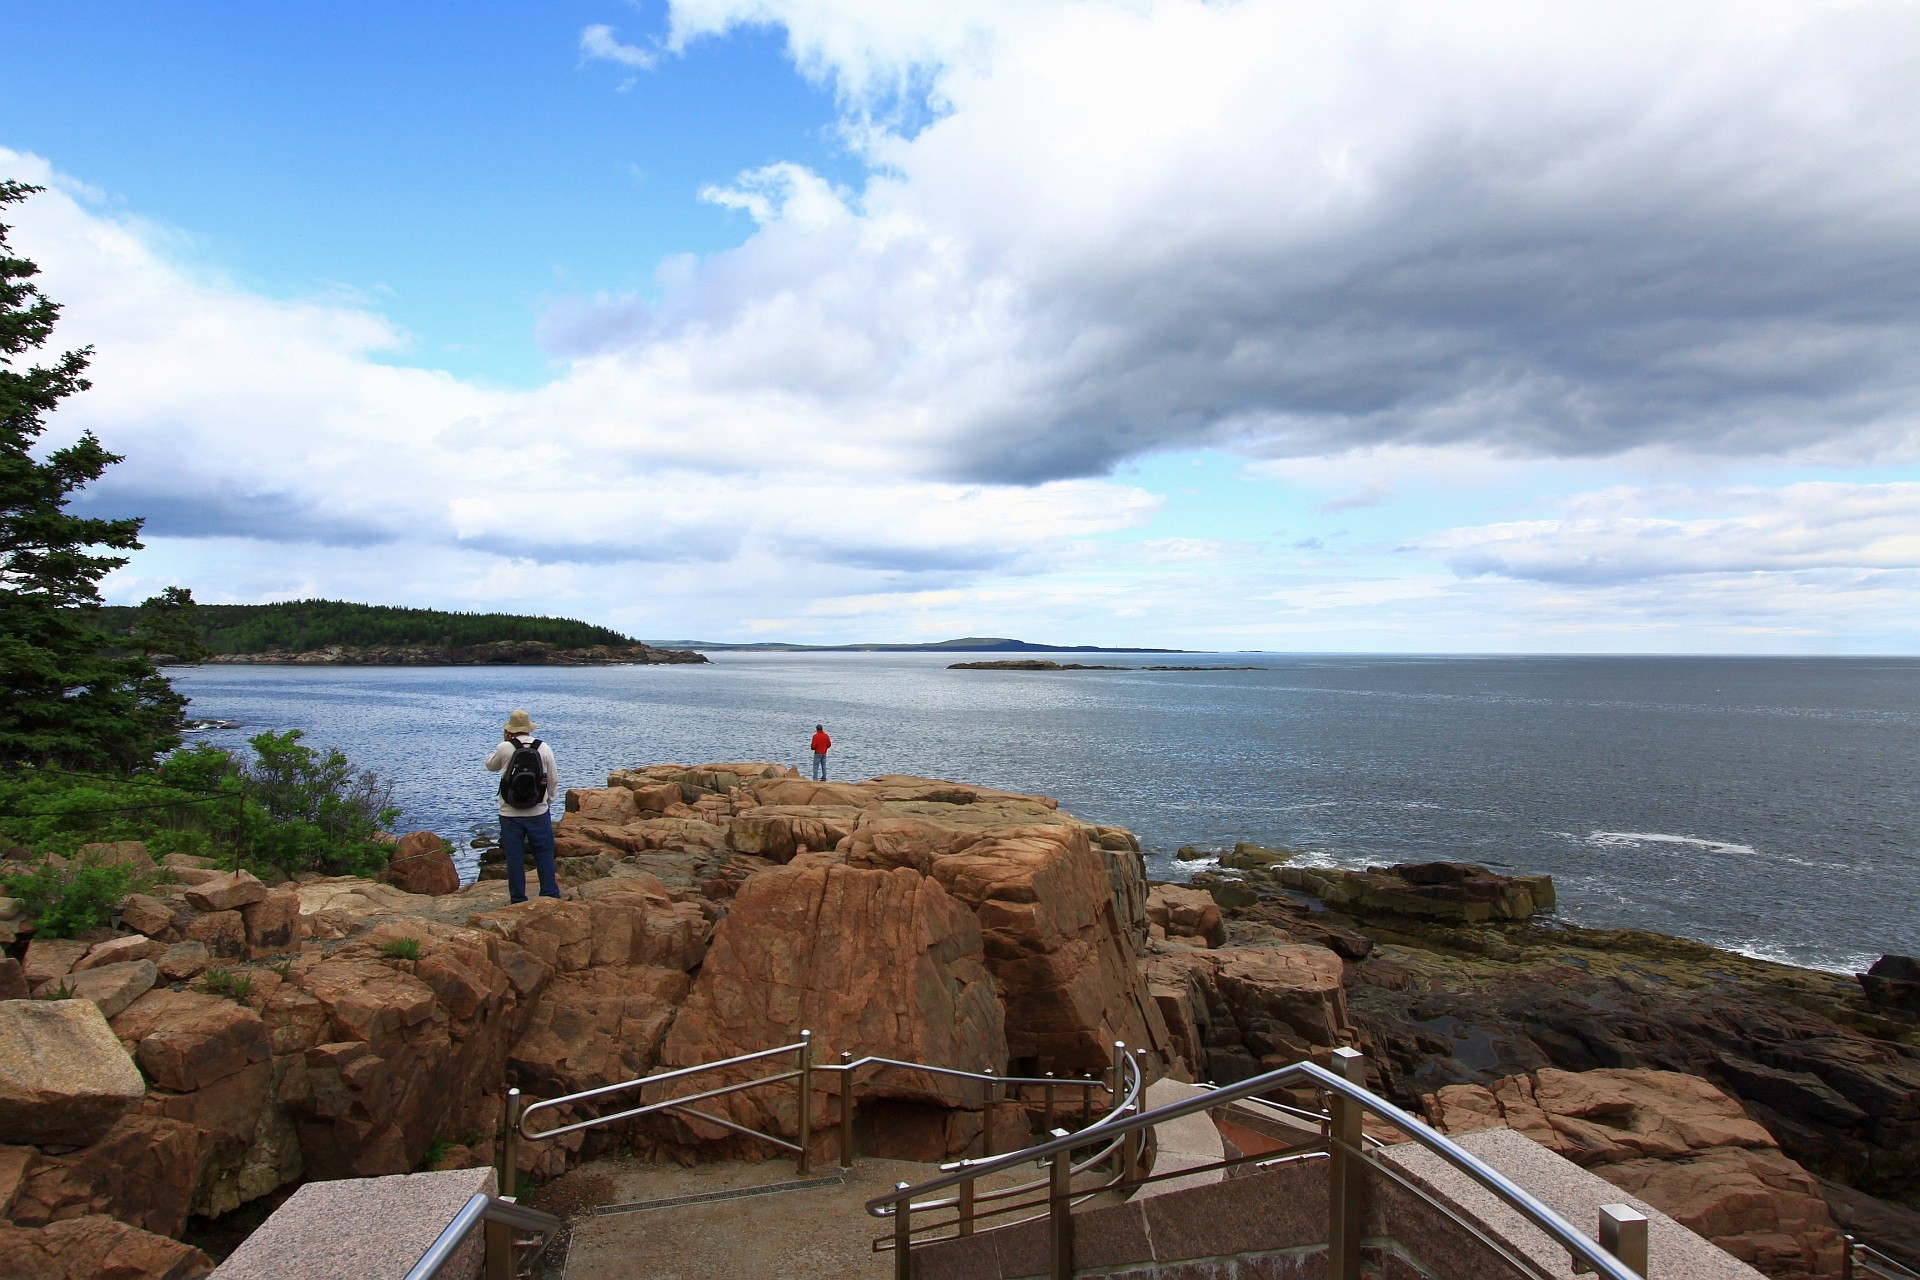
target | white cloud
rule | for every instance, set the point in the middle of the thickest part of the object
(248, 422)
(1629, 535)
(598, 42)
(1294, 230)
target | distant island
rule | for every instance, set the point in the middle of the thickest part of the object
(339, 633)
(965, 644)
(1043, 664)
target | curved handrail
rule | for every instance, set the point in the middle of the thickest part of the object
(479, 1206)
(567, 1100)
(1514, 1196)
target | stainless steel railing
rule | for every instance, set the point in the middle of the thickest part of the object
(1343, 1146)
(501, 1218)
(1861, 1260)
(1123, 1085)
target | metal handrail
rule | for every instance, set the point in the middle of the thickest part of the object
(572, 1099)
(481, 1207)
(1860, 1258)
(1124, 1092)
(1514, 1196)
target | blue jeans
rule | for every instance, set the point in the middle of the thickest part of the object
(517, 835)
(819, 766)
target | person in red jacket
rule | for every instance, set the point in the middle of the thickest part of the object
(821, 744)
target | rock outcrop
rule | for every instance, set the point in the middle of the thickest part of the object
(1675, 1141)
(1449, 891)
(421, 863)
(63, 1077)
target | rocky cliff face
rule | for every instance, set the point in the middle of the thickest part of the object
(229, 1037)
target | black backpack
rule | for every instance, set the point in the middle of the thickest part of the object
(524, 783)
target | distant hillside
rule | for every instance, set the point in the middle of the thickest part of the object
(304, 625)
(965, 644)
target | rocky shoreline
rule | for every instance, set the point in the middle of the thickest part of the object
(341, 1027)
(521, 653)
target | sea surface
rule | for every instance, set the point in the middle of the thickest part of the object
(1770, 805)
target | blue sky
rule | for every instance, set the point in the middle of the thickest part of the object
(1372, 327)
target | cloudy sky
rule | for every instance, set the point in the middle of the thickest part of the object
(1341, 326)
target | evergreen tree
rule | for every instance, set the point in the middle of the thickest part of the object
(69, 695)
(168, 626)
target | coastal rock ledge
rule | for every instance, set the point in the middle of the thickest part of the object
(359, 1029)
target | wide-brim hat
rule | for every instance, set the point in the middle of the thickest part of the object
(520, 722)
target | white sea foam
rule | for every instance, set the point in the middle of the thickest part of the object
(1637, 839)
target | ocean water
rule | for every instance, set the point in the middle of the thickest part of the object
(1768, 805)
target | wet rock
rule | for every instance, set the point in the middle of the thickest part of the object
(227, 892)
(63, 1076)
(1893, 982)
(421, 863)
(1454, 891)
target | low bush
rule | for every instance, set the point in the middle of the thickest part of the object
(289, 809)
(66, 897)
(401, 948)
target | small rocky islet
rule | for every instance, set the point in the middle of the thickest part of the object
(230, 1038)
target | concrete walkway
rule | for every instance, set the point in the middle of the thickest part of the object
(817, 1231)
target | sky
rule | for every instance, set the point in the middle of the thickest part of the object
(1363, 326)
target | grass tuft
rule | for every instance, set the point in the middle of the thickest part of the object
(401, 948)
(222, 981)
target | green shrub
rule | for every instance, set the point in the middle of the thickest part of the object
(59, 991)
(436, 1152)
(68, 899)
(288, 810)
(401, 948)
(313, 811)
(222, 981)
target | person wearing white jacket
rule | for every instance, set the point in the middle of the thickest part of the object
(528, 784)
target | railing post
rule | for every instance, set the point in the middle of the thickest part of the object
(1346, 1178)
(1129, 1153)
(510, 1146)
(1846, 1257)
(1623, 1233)
(1060, 1213)
(1047, 1122)
(966, 1207)
(902, 1234)
(846, 1110)
(1119, 1072)
(806, 1103)
(499, 1247)
(986, 1128)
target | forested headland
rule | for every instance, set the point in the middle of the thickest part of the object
(298, 626)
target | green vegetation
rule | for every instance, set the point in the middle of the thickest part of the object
(290, 809)
(58, 991)
(66, 897)
(401, 948)
(69, 695)
(436, 1152)
(222, 981)
(300, 625)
